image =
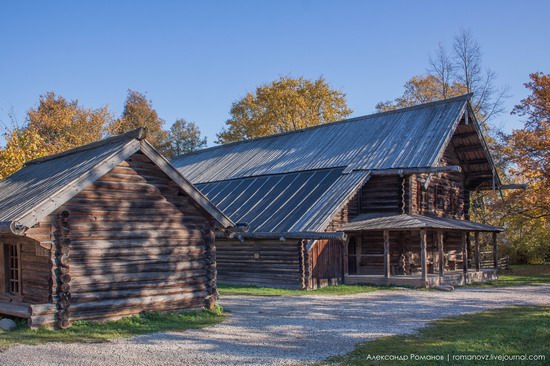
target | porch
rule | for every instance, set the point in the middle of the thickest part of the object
(419, 251)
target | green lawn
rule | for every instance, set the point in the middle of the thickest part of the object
(88, 331)
(532, 274)
(509, 331)
(226, 289)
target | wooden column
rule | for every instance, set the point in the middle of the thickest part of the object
(465, 256)
(441, 253)
(345, 265)
(358, 250)
(423, 258)
(495, 251)
(478, 251)
(386, 253)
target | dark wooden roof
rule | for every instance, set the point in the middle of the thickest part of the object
(375, 222)
(44, 184)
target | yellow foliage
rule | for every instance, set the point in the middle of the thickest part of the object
(283, 105)
(21, 145)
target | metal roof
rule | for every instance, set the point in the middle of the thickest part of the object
(370, 222)
(404, 138)
(297, 181)
(44, 184)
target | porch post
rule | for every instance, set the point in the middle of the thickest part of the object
(386, 254)
(495, 251)
(478, 254)
(464, 256)
(441, 253)
(358, 251)
(345, 264)
(423, 257)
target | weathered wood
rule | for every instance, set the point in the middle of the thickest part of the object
(478, 251)
(495, 250)
(423, 257)
(440, 246)
(465, 255)
(387, 268)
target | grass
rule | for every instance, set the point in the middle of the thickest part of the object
(532, 274)
(226, 289)
(510, 331)
(89, 331)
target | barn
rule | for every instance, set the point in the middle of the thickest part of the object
(102, 231)
(382, 199)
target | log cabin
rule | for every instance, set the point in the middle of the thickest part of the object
(103, 231)
(380, 199)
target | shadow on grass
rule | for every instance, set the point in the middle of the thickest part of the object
(89, 331)
(250, 290)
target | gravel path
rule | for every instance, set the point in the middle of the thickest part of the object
(283, 330)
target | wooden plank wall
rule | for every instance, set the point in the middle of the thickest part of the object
(325, 263)
(134, 242)
(271, 263)
(382, 194)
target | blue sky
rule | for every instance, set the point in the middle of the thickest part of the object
(193, 59)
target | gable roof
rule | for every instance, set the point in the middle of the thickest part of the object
(404, 138)
(234, 175)
(44, 184)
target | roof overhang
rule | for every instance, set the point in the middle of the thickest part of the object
(304, 235)
(377, 222)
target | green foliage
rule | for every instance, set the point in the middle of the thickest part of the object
(243, 290)
(511, 331)
(283, 105)
(90, 331)
(184, 137)
(139, 112)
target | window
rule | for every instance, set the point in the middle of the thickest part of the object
(12, 254)
(439, 198)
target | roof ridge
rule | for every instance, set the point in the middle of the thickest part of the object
(348, 120)
(138, 134)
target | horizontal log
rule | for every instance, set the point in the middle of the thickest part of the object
(143, 243)
(139, 301)
(42, 309)
(98, 258)
(137, 234)
(131, 277)
(42, 321)
(122, 294)
(116, 286)
(83, 227)
(120, 267)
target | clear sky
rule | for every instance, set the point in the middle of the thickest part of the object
(193, 59)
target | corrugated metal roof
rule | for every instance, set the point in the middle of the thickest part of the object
(270, 203)
(268, 182)
(409, 137)
(407, 222)
(44, 184)
(39, 181)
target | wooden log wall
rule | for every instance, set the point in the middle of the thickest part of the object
(133, 242)
(270, 263)
(382, 194)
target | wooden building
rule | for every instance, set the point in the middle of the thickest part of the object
(379, 199)
(106, 230)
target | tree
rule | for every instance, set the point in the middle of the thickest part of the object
(184, 137)
(528, 153)
(64, 124)
(456, 74)
(55, 125)
(139, 112)
(22, 144)
(285, 104)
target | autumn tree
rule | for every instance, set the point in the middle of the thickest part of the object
(139, 112)
(528, 153)
(285, 104)
(55, 125)
(452, 74)
(64, 124)
(184, 137)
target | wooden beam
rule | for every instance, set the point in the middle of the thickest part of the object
(495, 251)
(478, 251)
(386, 253)
(408, 171)
(441, 253)
(358, 247)
(346, 257)
(423, 258)
(465, 255)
